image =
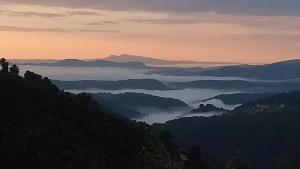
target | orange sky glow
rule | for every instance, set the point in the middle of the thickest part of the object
(45, 32)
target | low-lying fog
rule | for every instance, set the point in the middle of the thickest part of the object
(98, 73)
(189, 96)
(163, 117)
(192, 97)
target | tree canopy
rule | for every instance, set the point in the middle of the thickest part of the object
(44, 127)
(5, 69)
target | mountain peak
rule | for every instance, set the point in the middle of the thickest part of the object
(163, 62)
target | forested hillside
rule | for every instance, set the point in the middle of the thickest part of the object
(42, 127)
(264, 133)
(135, 105)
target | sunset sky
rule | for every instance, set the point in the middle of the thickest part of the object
(247, 31)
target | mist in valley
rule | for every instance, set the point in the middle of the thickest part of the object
(159, 116)
(193, 97)
(189, 96)
(110, 74)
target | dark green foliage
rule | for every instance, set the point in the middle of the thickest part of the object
(4, 65)
(5, 69)
(43, 127)
(262, 132)
(14, 70)
(31, 76)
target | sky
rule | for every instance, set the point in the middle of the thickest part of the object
(244, 31)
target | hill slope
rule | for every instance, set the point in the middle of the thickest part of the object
(238, 85)
(147, 84)
(127, 103)
(43, 127)
(261, 133)
(239, 98)
(276, 71)
(280, 70)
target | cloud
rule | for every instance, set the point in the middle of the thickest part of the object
(30, 14)
(101, 23)
(278, 37)
(5, 28)
(39, 14)
(253, 7)
(110, 22)
(46, 14)
(83, 13)
(263, 22)
(168, 21)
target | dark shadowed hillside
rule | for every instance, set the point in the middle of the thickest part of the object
(279, 103)
(43, 127)
(276, 71)
(127, 103)
(280, 70)
(264, 133)
(147, 84)
(240, 98)
(238, 85)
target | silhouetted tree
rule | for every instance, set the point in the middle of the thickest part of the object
(14, 70)
(4, 65)
(31, 76)
(43, 127)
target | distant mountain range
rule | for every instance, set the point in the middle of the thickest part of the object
(154, 61)
(147, 84)
(238, 85)
(22, 61)
(275, 71)
(152, 84)
(280, 70)
(127, 61)
(95, 63)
